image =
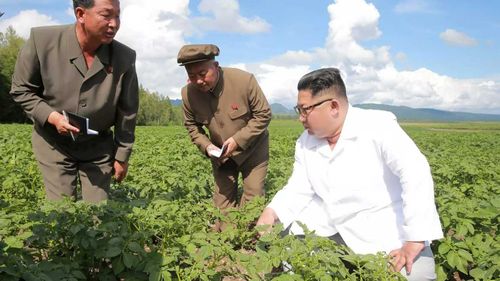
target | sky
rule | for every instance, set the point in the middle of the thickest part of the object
(417, 53)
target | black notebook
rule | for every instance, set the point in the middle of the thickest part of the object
(81, 122)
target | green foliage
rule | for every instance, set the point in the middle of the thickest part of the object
(158, 224)
(157, 110)
(465, 159)
(10, 45)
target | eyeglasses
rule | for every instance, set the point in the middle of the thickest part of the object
(304, 111)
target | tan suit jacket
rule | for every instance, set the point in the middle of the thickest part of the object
(51, 75)
(236, 108)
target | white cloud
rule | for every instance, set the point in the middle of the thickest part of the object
(156, 30)
(457, 38)
(279, 83)
(24, 21)
(350, 23)
(227, 18)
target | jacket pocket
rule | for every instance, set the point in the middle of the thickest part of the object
(235, 114)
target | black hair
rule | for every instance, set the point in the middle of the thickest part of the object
(323, 80)
(87, 4)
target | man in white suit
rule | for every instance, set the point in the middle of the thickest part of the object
(359, 179)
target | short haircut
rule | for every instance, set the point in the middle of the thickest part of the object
(87, 4)
(323, 81)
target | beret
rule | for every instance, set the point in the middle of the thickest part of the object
(196, 53)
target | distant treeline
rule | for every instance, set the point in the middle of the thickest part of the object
(154, 109)
(10, 44)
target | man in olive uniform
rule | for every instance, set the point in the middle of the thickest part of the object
(79, 68)
(230, 104)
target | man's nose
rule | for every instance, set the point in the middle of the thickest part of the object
(114, 22)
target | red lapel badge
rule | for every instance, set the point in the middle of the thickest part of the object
(234, 106)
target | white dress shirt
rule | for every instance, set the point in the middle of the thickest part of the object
(374, 188)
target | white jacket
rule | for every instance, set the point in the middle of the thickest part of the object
(375, 187)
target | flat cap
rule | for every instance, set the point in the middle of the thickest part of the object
(196, 53)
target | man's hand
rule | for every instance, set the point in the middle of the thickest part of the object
(231, 146)
(405, 255)
(268, 217)
(120, 169)
(62, 125)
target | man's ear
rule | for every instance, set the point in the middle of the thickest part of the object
(79, 14)
(216, 63)
(335, 106)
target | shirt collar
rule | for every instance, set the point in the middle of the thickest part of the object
(351, 124)
(73, 49)
(217, 91)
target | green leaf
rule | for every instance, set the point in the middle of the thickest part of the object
(25, 235)
(135, 247)
(115, 241)
(466, 255)
(113, 252)
(75, 228)
(78, 274)
(441, 274)
(155, 276)
(477, 273)
(470, 227)
(462, 266)
(118, 266)
(129, 260)
(443, 248)
(14, 242)
(453, 259)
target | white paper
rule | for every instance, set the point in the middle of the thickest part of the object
(217, 152)
(90, 131)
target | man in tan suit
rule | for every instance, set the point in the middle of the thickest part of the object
(230, 104)
(79, 68)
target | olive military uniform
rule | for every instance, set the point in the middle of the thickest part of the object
(51, 75)
(236, 107)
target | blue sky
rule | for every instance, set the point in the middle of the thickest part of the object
(440, 54)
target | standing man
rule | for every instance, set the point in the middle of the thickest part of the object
(358, 179)
(79, 68)
(230, 104)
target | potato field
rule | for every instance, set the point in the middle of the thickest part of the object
(157, 225)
